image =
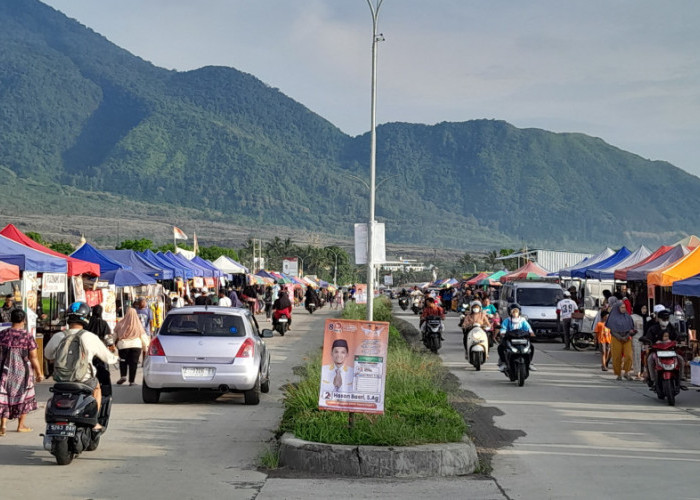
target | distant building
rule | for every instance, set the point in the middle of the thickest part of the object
(403, 265)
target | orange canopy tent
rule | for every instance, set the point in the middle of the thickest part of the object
(528, 271)
(8, 272)
(683, 268)
(75, 266)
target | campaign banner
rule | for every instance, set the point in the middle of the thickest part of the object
(353, 372)
(360, 294)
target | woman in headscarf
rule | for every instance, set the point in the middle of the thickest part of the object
(131, 342)
(282, 306)
(99, 327)
(19, 363)
(622, 329)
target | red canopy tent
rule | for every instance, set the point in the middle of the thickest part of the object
(477, 278)
(528, 271)
(8, 272)
(75, 266)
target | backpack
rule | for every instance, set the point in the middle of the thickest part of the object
(71, 363)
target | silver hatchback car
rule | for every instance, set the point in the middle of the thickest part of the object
(210, 348)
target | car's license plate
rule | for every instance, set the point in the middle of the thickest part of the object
(67, 430)
(192, 372)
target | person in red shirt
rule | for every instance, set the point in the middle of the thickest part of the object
(430, 309)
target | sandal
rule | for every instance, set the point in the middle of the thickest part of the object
(628, 376)
(25, 429)
(2, 432)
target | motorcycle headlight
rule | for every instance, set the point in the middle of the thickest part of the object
(514, 349)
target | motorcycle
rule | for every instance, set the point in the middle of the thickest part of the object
(668, 376)
(417, 306)
(517, 356)
(311, 307)
(71, 413)
(403, 303)
(281, 324)
(476, 346)
(432, 333)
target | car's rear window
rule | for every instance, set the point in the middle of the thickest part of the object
(203, 324)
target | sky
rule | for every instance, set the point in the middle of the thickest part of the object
(627, 71)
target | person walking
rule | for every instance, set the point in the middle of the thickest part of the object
(621, 328)
(565, 308)
(603, 338)
(20, 370)
(131, 342)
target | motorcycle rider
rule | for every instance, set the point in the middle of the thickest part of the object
(311, 297)
(282, 306)
(476, 317)
(77, 320)
(661, 331)
(430, 309)
(514, 322)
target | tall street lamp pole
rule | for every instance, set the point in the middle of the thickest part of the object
(374, 9)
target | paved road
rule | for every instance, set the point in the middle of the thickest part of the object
(191, 445)
(586, 434)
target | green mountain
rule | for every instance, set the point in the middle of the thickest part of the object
(81, 115)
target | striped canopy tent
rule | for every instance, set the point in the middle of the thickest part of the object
(448, 283)
(683, 268)
(492, 280)
(529, 271)
(254, 279)
(282, 279)
(265, 274)
(473, 281)
(621, 273)
(690, 242)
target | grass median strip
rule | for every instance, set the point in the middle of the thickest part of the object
(417, 410)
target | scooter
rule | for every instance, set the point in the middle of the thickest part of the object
(432, 333)
(311, 307)
(417, 305)
(476, 347)
(403, 303)
(668, 376)
(281, 324)
(71, 414)
(517, 356)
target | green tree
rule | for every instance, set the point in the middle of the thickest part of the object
(63, 247)
(137, 245)
(36, 237)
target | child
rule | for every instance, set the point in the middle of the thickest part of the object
(603, 337)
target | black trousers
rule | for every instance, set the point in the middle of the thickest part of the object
(130, 359)
(566, 332)
(103, 376)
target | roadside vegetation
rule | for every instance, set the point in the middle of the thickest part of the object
(416, 411)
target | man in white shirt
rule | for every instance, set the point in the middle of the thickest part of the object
(565, 308)
(336, 376)
(78, 319)
(224, 301)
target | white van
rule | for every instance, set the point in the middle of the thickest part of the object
(537, 301)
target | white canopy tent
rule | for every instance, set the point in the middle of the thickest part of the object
(228, 265)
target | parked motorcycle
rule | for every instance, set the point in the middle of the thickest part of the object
(476, 347)
(403, 303)
(668, 375)
(71, 414)
(432, 335)
(517, 356)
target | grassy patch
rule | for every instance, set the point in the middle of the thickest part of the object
(416, 409)
(270, 459)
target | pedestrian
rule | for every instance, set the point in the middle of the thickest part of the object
(603, 338)
(20, 370)
(565, 308)
(224, 301)
(267, 299)
(145, 315)
(338, 299)
(7, 308)
(639, 318)
(621, 328)
(99, 327)
(131, 342)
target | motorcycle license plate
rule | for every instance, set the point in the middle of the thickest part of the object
(666, 354)
(66, 430)
(518, 341)
(282, 320)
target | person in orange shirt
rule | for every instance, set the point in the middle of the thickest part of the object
(603, 337)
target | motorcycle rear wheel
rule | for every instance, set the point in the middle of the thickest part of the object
(434, 344)
(94, 443)
(669, 392)
(62, 452)
(477, 361)
(582, 341)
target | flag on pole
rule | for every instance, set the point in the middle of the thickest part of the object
(178, 234)
(195, 247)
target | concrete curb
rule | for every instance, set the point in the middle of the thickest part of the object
(428, 460)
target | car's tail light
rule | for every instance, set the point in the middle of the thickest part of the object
(247, 350)
(155, 349)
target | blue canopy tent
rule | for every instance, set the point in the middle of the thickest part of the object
(138, 263)
(689, 287)
(91, 254)
(607, 272)
(149, 256)
(588, 262)
(218, 273)
(196, 268)
(127, 277)
(28, 259)
(618, 256)
(187, 272)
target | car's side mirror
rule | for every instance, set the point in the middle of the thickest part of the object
(267, 333)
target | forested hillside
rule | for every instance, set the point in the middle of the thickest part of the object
(78, 111)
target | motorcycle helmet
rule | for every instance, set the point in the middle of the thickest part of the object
(473, 304)
(513, 307)
(664, 315)
(78, 312)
